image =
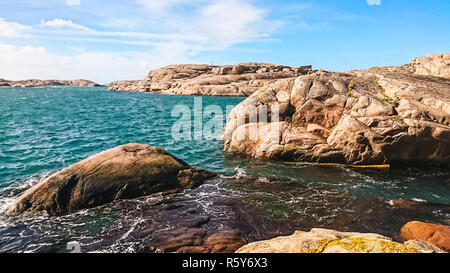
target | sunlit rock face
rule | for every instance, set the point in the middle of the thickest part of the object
(382, 115)
(209, 80)
(332, 241)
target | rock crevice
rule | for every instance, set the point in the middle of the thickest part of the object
(383, 115)
(209, 80)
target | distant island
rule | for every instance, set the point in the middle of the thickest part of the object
(38, 83)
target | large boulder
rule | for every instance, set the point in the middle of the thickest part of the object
(124, 172)
(210, 80)
(383, 115)
(438, 235)
(331, 241)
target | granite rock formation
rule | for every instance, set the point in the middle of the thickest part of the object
(209, 80)
(383, 115)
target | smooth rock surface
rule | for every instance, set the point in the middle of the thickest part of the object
(438, 235)
(124, 172)
(209, 80)
(331, 241)
(382, 115)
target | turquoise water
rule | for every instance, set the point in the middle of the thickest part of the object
(43, 130)
(46, 129)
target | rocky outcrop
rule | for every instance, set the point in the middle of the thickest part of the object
(209, 80)
(123, 172)
(37, 83)
(438, 235)
(433, 65)
(383, 115)
(331, 241)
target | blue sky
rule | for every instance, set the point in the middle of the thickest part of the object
(113, 40)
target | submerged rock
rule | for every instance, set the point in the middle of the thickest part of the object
(210, 80)
(194, 240)
(123, 172)
(331, 241)
(438, 235)
(383, 115)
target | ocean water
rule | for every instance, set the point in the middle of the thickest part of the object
(43, 130)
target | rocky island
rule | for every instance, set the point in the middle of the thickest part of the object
(38, 83)
(209, 80)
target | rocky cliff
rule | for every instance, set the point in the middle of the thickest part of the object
(398, 115)
(37, 83)
(209, 80)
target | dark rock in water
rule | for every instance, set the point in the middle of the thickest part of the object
(406, 203)
(124, 172)
(194, 240)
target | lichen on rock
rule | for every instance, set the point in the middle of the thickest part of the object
(332, 241)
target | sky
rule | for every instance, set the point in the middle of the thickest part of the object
(121, 40)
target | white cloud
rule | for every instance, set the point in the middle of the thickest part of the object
(185, 29)
(73, 2)
(231, 21)
(37, 62)
(214, 24)
(374, 2)
(61, 23)
(11, 29)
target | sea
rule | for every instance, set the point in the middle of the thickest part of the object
(45, 129)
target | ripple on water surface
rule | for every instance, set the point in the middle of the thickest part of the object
(43, 130)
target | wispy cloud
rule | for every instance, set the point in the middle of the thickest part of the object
(61, 23)
(374, 2)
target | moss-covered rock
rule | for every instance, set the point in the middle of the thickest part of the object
(124, 172)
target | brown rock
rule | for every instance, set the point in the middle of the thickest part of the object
(209, 80)
(37, 83)
(382, 115)
(194, 240)
(438, 235)
(406, 203)
(433, 65)
(124, 172)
